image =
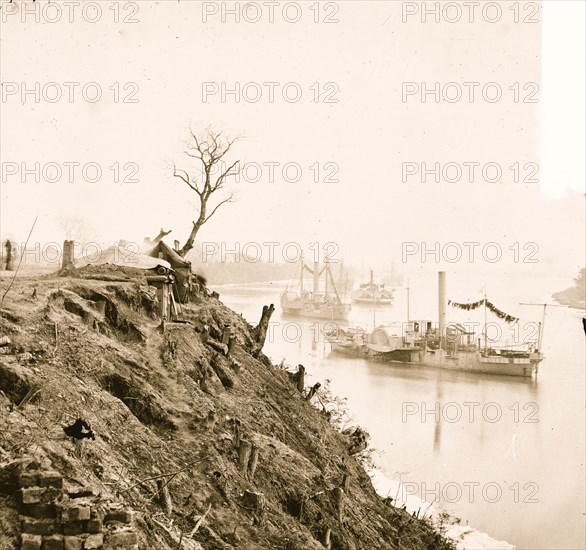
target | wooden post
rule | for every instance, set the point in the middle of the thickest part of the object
(253, 463)
(326, 539)
(244, 455)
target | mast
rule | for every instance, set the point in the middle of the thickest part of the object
(315, 279)
(485, 322)
(541, 328)
(408, 289)
(302, 269)
(442, 305)
(542, 324)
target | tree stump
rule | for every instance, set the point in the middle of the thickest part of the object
(253, 462)
(345, 482)
(338, 495)
(231, 344)
(226, 334)
(313, 391)
(244, 455)
(260, 332)
(254, 501)
(298, 378)
(300, 382)
(164, 497)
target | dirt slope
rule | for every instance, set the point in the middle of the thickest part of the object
(168, 407)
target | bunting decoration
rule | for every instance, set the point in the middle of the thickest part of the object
(475, 305)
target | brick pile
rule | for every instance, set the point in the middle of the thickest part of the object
(55, 516)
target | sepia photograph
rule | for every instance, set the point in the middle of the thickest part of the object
(292, 275)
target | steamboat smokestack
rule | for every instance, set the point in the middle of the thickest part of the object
(441, 283)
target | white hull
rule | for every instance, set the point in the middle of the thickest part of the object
(377, 301)
(320, 310)
(467, 361)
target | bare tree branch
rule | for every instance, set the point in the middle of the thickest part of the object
(209, 148)
(229, 199)
(185, 177)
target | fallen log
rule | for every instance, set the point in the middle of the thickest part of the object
(222, 372)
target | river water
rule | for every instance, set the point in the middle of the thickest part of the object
(505, 454)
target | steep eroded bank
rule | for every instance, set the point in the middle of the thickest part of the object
(170, 413)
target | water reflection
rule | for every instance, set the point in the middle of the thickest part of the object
(525, 437)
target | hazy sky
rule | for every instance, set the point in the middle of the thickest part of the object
(167, 57)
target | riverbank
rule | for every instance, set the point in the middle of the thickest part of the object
(193, 447)
(464, 537)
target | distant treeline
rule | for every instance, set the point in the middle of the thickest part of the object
(219, 273)
(574, 296)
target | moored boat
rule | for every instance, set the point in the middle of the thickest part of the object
(317, 303)
(349, 341)
(448, 346)
(373, 293)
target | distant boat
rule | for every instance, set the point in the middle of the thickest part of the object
(317, 303)
(373, 293)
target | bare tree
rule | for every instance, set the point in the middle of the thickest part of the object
(76, 229)
(209, 148)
